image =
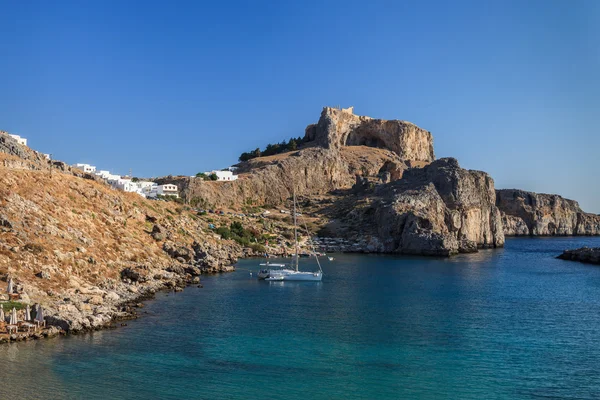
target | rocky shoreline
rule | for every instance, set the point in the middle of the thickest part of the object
(588, 255)
(140, 283)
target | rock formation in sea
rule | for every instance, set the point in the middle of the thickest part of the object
(534, 214)
(589, 255)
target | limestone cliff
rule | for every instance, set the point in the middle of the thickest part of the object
(270, 180)
(440, 209)
(340, 127)
(534, 214)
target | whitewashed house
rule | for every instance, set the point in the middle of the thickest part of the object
(90, 169)
(223, 175)
(19, 139)
(163, 190)
(104, 174)
(150, 191)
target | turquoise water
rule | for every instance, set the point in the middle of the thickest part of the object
(505, 324)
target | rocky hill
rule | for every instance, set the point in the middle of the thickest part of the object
(84, 250)
(533, 214)
(337, 149)
(344, 151)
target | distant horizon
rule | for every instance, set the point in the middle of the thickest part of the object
(184, 88)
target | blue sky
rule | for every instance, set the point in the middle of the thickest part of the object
(511, 88)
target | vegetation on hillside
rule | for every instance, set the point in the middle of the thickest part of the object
(246, 237)
(273, 149)
(211, 177)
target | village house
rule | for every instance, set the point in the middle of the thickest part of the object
(162, 190)
(127, 184)
(223, 175)
(85, 167)
(19, 139)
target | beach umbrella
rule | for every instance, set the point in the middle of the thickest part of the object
(10, 285)
(27, 313)
(39, 316)
(2, 314)
(13, 317)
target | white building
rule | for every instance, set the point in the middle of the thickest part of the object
(104, 174)
(85, 167)
(163, 190)
(223, 175)
(19, 139)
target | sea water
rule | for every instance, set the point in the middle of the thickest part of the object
(513, 323)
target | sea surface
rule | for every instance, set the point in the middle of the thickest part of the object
(514, 323)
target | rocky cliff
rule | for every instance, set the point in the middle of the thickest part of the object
(269, 181)
(534, 214)
(440, 210)
(340, 127)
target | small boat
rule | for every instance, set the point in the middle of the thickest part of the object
(281, 272)
(330, 258)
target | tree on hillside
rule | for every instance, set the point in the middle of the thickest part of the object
(245, 157)
(292, 145)
(213, 177)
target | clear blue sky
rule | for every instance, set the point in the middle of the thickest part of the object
(511, 88)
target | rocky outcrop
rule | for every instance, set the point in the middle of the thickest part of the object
(340, 127)
(584, 255)
(535, 214)
(438, 210)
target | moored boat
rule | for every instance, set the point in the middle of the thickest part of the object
(281, 272)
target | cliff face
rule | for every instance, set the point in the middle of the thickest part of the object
(528, 213)
(440, 209)
(270, 180)
(337, 128)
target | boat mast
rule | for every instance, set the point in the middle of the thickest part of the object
(296, 231)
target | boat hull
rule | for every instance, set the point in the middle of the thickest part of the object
(292, 275)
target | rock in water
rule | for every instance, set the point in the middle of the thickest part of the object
(584, 254)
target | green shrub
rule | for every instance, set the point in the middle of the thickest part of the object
(9, 305)
(258, 248)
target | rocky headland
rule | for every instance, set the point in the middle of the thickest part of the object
(589, 255)
(533, 214)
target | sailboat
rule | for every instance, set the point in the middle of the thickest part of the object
(283, 272)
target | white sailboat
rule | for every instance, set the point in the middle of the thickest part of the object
(282, 272)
